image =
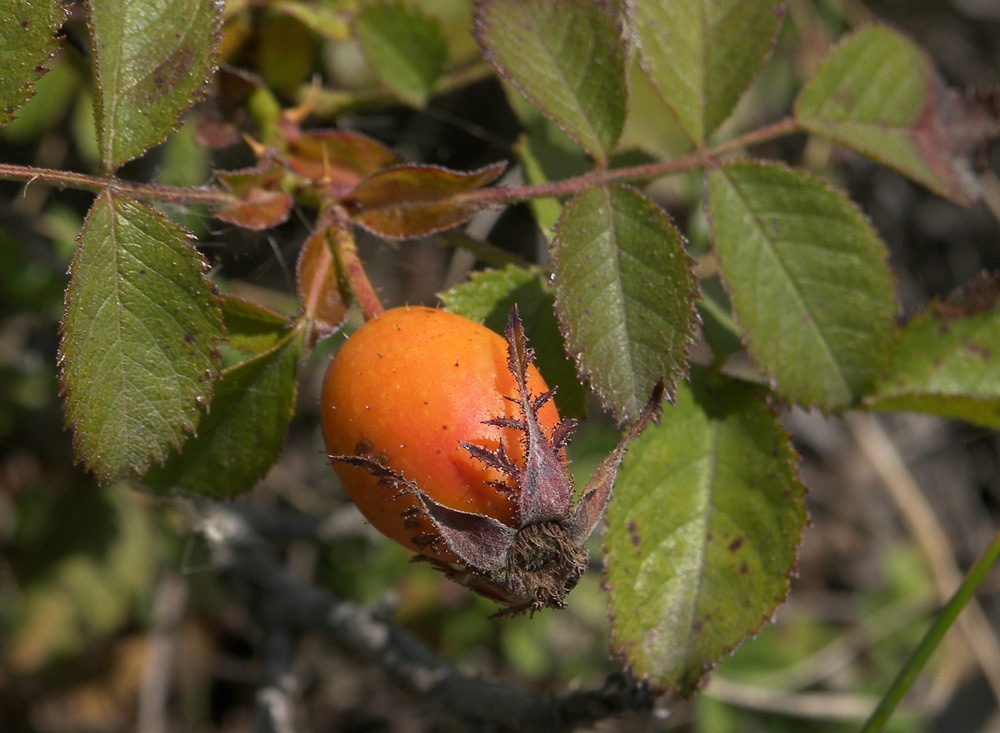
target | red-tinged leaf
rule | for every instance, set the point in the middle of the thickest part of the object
(27, 41)
(410, 201)
(319, 285)
(877, 93)
(567, 58)
(140, 338)
(947, 360)
(153, 60)
(333, 156)
(256, 202)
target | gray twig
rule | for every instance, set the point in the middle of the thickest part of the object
(285, 607)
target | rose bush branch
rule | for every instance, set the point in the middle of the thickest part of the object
(288, 606)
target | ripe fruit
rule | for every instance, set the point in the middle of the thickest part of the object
(409, 387)
(445, 437)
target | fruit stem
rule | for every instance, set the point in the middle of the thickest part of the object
(350, 264)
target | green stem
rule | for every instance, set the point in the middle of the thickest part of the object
(933, 637)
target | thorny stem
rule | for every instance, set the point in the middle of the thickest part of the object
(350, 263)
(96, 184)
(566, 187)
(698, 158)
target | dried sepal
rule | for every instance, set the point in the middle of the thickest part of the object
(589, 510)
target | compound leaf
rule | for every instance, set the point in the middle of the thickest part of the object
(807, 279)
(702, 532)
(140, 338)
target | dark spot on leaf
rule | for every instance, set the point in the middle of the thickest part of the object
(142, 272)
(736, 544)
(24, 24)
(981, 293)
(698, 626)
(215, 354)
(188, 338)
(164, 77)
(633, 533)
(744, 569)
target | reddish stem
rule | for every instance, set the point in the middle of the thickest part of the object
(350, 264)
(600, 177)
(96, 184)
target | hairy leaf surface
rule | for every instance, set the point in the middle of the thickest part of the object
(240, 438)
(140, 338)
(27, 41)
(152, 61)
(807, 278)
(410, 201)
(702, 532)
(625, 295)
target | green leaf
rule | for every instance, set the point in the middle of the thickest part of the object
(27, 41)
(701, 55)
(625, 295)
(489, 297)
(807, 278)
(702, 532)
(252, 328)
(152, 61)
(405, 48)
(240, 438)
(409, 201)
(140, 338)
(324, 18)
(567, 58)
(877, 93)
(947, 363)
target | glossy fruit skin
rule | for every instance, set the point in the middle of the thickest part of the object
(409, 387)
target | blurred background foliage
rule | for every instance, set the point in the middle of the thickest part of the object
(105, 593)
